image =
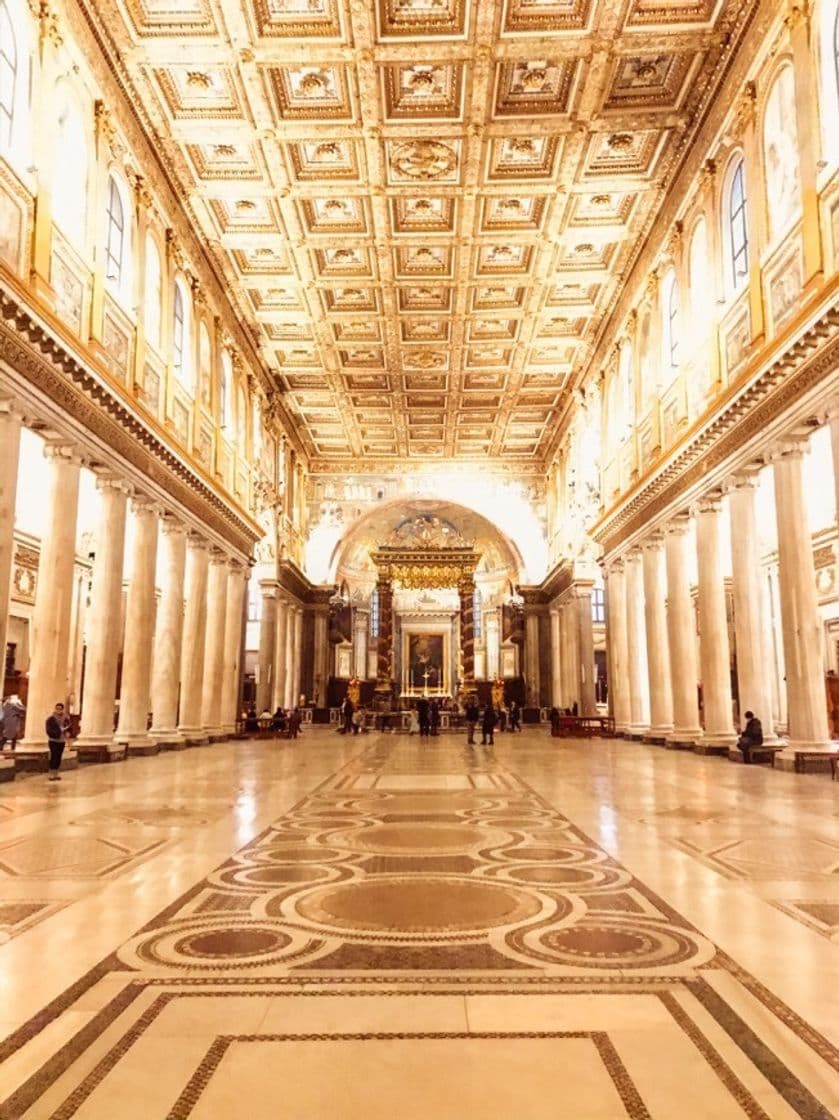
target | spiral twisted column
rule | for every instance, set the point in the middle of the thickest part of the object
(384, 653)
(466, 590)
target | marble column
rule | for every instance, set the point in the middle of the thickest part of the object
(754, 670)
(166, 665)
(658, 647)
(585, 645)
(681, 631)
(194, 636)
(556, 666)
(237, 581)
(280, 663)
(531, 657)
(214, 645)
(48, 663)
(135, 686)
(321, 656)
(296, 677)
(466, 595)
(267, 640)
(104, 628)
(800, 621)
(288, 695)
(636, 644)
(384, 651)
(619, 653)
(714, 655)
(569, 641)
(10, 425)
(361, 627)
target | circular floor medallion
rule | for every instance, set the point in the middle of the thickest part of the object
(614, 945)
(413, 837)
(419, 904)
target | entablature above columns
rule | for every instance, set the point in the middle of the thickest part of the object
(778, 396)
(66, 395)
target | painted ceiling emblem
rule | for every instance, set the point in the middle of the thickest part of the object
(424, 159)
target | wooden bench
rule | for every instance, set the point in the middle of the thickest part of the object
(764, 754)
(586, 727)
(802, 758)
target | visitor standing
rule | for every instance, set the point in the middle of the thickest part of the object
(57, 728)
(488, 725)
(11, 723)
(472, 714)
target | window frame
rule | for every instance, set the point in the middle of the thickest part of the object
(736, 214)
(114, 263)
(11, 61)
(178, 333)
(153, 293)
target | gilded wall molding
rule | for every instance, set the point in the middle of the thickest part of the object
(803, 366)
(37, 356)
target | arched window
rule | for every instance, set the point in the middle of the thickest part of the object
(477, 612)
(699, 277)
(829, 68)
(780, 154)
(8, 76)
(205, 364)
(738, 237)
(114, 237)
(69, 206)
(627, 391)
(181, 359)
(226, 393)
(153, 292)
(241, 421)
(670, 324)
(646, 372)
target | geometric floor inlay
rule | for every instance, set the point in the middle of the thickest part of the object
(423, 935)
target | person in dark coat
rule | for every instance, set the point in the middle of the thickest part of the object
(347, 710)
(434, 717)
(514, 717)
(294, 721)
(751, 736)
(424, 717)
(12, 718)
(488, 725)
(57, 727)
(472, 716)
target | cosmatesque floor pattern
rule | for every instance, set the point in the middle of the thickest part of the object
(381, 928)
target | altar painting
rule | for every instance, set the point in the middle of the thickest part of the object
(425, 663)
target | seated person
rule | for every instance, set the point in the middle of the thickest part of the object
(251, 720)
(278, 722)
(751, 736)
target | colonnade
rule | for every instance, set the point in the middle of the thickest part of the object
(180, 641)
(280, 648)
(658, 670)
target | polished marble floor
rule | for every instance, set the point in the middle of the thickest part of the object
(373, 927)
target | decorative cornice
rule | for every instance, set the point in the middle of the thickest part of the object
(45, 361)
(763, 396)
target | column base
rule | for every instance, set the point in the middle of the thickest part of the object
(96, 749)
(683, 739)
(636, 732)
(168, 739)
(714, 744)
(137, 746)
(657, 735)
(36, 761)
(800, 756)
(194, 736)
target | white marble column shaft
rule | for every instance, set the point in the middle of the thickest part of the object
(237, 582)
(194, 636)
(10, 425)
(288, 693)
(280, 654)
(166, 664)
(214, 645)
(754, 670)
(681, 630)
(714, 654)
(48, 663)
(104, 625)
(636, 644)
(267, 642)
(361, 624)
(658, 645)
(135, 685)
(585, 645)
(556, 666)
(616, 636)
(802, 626)
(321, 658)
(298, 654)
(531, 648)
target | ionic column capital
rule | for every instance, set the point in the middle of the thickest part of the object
(654, 542)
(709, 503)
(112, 483)
(10, 406)
(679, 526)
(196, 542)
(794, 446)
(170, 526)
(69, 453)
(218, 556)
(616, 565)
(143, 506)
(633, 554)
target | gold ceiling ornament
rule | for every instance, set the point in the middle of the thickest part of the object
(343, 129)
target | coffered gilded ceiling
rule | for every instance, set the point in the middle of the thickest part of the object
(425, 208)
